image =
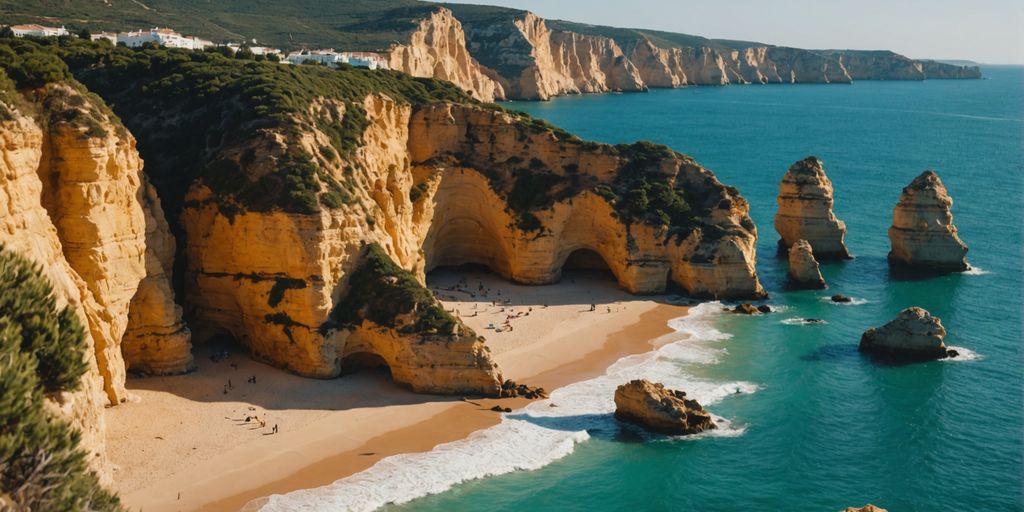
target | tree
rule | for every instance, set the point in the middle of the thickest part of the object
(41, 465)
(85, 34)
(6, 33)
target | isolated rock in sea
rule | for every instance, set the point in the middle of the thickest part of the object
(842, 299)
(745, 309)
(803, 268)
(913, 334)
(658, 409)
(922, 234)
(805, 211)
(866, 508)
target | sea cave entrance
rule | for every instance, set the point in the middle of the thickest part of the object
(589, 263)
(365, 362)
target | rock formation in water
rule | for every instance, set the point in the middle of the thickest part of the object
(805, 211)
(804, 271)
(914, 335)
(661, 410)
(922, 234)
(866, 508)
(436, 48)
(76, 202)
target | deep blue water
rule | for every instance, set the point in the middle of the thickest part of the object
(828, 428)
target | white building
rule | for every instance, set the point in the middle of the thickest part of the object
(333, 58)
(109, 36)
(38, 31)
(256, 50)
(163, 37)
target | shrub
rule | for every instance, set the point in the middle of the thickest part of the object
(41, 351)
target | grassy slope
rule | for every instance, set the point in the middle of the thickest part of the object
(349, 24)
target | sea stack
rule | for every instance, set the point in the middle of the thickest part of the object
(805, 211)
(661, 410)
(804, 271)
(922, 234)
(914, 335)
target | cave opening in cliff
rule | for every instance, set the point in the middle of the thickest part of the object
(587, 262)
(365, 362)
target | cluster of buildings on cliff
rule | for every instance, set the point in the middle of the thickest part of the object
(171, 39)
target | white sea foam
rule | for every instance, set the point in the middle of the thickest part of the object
(532, 437)
(963, 355)
(976, 271)
(801, 321)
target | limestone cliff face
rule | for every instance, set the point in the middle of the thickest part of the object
(805, 211)
(431, 186)
(437, 48)
(536, 60)
(923, 235)
(77, 203)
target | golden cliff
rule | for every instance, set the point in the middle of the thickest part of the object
(437, 48)
(533, 59)
(437, 185)
(923, 235)
(805, 211)
(76, 202)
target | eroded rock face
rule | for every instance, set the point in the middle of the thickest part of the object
(804, 271)
(77, 203)
(805, 211)
(913, 334)
(430, 187)
(437, 48)
(922, 234)
(661, 410)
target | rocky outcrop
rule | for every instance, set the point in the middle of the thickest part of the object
(923, 236)
(941, 70)
(661, 410)
(804, 271)
(914, 334)
(805, 211)
(434, 185)
(77, 203)
(866, 508)
(437, 48)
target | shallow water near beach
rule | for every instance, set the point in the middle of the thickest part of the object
(809, 423)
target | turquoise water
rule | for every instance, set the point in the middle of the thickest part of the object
(826, 428)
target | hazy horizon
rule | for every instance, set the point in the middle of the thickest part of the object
(987, 31)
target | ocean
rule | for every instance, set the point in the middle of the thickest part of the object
(809, 423)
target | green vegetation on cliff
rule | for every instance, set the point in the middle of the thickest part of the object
(204, 115)
(388, 295)
(42, 351)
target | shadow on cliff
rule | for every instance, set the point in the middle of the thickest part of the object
(230, 380)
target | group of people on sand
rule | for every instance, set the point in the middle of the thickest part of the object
(255, 418)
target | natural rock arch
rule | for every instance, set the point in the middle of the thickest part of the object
(584, 258)
(364, 360)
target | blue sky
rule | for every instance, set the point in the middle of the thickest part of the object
(990, 31)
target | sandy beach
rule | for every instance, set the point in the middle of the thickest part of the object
(183, 443)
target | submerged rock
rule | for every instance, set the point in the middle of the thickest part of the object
(658, 409)
(913, 334)
(805, 211)
(866, 508)
(804, 271)
(764, 308)
(923, 236)
(841, 298)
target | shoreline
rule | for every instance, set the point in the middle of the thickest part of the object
(569, 345)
